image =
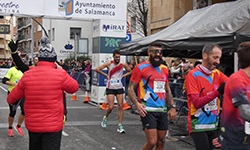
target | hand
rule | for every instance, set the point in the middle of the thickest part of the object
(107, 77)
(172, 114)
(216, 143)
(221, 88)
(13, 46)
(57, 66)
(184, 91)
(140, 107)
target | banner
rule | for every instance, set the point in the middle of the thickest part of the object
(66, 9)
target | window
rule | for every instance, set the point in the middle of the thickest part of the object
(34, 44)
(1, 17)
(75, 31)
(53, 34)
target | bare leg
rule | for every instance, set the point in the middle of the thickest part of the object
(160, 139)
(111, 104)
(119, 98)
(11, 120)
(151, 135)
(20, 119)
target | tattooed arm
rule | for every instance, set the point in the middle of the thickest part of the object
(169, 96)
(170, 100)
(132, 96)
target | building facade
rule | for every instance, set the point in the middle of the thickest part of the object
(24, 34)
(5, 38)
(162, 13)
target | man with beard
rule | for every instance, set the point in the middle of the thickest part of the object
(114, 87)
(151, 79)
(204, 84)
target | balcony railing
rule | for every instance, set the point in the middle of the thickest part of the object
(21, 25)
(21, 37)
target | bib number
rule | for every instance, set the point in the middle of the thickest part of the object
(211, 105)
(114, 81)
(247, 127)
(159, 87)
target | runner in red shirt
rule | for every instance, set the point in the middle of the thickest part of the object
(235, 117)
(203, 84)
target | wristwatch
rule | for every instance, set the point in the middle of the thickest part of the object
(173, 106)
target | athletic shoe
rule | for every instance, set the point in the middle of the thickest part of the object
(11, 132)
(120, 129)
(104, 122)
(19, 130)
(169, 138)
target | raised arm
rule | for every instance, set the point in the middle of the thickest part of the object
(17, 60)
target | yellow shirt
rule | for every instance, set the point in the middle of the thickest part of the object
(14, 76)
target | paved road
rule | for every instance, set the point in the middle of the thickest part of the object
(85, 132)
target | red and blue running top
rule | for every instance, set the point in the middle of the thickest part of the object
(151, 86)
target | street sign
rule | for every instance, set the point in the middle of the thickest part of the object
(19, 52)
(4, 29)
(128, 37)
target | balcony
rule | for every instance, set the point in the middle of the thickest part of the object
(2, 46)
(21, 37)
(21, 25)
(28, 21)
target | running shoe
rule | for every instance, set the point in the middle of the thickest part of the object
(104, 122)
(11, 132)
(19, 130)
(120, 129)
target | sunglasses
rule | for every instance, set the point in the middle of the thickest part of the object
(155, 51)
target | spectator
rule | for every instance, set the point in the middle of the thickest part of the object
(87, 74)
(141, 60)
(44, 108)
(175, 69)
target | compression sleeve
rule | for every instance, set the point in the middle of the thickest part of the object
(4, 80)
(198, 102)
(19, 63)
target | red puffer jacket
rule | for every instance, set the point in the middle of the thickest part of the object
(43, 89)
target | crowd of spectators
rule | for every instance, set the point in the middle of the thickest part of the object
(5, 63)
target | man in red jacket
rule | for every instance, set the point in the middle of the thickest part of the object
(44, 110)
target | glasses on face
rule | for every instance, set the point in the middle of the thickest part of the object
(155, 51)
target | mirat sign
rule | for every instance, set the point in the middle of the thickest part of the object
(75, 9)
(109, 28)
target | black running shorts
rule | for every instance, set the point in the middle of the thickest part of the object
(155, 120)
(114, 92)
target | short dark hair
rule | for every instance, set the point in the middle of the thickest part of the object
(116, 51)
(244, 54)
(209, 47)
(155, 44)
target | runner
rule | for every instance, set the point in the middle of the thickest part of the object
(151, 77)
(114, 87)
(202, 85)
(11, 78)
(235, 117)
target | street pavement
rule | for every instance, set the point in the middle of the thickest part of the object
(85, 132)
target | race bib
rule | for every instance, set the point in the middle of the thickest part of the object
(114, 81)
(159, 87)
(247, 127)
(211, 105)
